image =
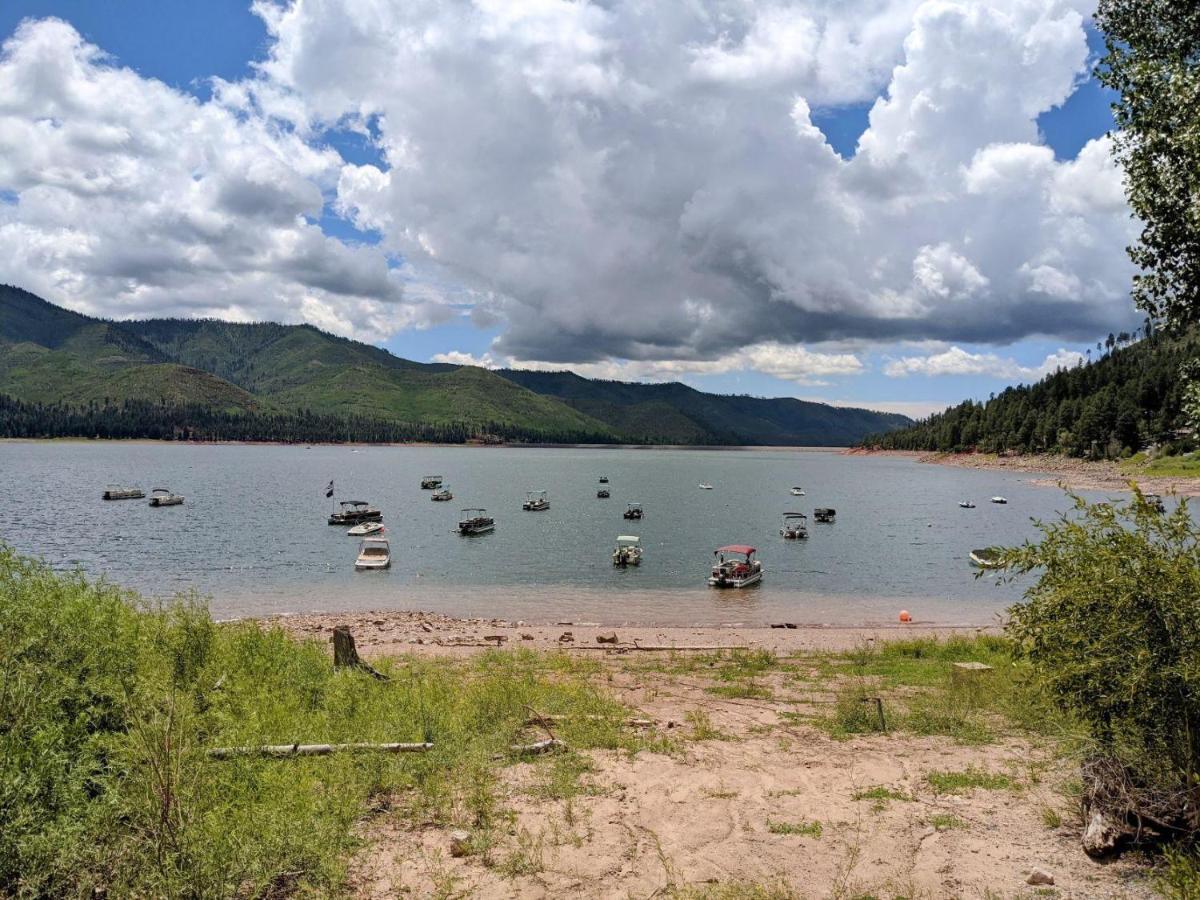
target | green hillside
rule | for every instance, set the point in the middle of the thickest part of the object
(1129, 397)
(186, 377)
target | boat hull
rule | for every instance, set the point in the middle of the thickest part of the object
(167, 501)
(355, 518)
(476, 529)
(131, 494)
(731, 582)
(369, 565)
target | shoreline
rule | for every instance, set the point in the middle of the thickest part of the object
(380, 633)
(1055, 471)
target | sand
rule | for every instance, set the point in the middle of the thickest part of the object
(699, 820)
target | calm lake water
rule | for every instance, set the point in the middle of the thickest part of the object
(252, 534)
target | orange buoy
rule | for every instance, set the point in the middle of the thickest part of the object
(904, 616)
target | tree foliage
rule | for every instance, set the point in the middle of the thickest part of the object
(1153, 62)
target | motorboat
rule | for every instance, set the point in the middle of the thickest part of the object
(116, 492)
(355, 512)
(604, 479)
(795, 526)
(431, 482)
(736, 567)
(705, 486)
(966, 504)
(476, 521)
(365, 528)
(536, 501)
(824, 514)
(986, 558)
(373, 553)
(442, 493)
(634, 511)
(628, 551)
(163, 497)
(999, 500)
(603, 494)
(797, 492)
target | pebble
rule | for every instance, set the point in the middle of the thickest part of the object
(460, 843)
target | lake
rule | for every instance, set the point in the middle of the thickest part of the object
(253, 535)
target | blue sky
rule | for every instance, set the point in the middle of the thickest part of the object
(187, 44)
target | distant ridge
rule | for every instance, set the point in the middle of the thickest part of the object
(62, 372)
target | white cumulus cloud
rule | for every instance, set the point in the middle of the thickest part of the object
(957, 361)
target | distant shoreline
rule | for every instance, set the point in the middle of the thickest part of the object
(1055, 470)
(471, 444)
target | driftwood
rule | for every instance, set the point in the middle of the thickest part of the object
(625, 648)
(290, 750)
(546, 721)
(1120, 810)
(550, 745)
(345, 654)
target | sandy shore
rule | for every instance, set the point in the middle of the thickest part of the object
(1054, 471)
(389, 633)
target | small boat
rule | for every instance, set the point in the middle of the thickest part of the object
(628, 551)
(163, 497)
(536, 501)
(634, 511)
(986, 558)
(1155, 502)
(431, 482)
(442, 493)
(705, 486)
(797, 492)
(603, 494)
(365, 528)
(116, 492)
(604, 479)
(999, 500)
(966, 504)
(355, 512)
(824, 514)
(741, 571)
(373, 553)
(795, 526)
(476, 521)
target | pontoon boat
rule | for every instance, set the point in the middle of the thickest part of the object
(634, 511)
(116, 492)
(535, 501)
(355, 512)
(476, 521)
(742, 570)
(824, 514)
(628, 551)
(431, 482)
(373, 553)
(365, 528)
(795, 526)
(603, 494)
(604, 479)
(163, 497)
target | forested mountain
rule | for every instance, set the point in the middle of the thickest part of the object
(66, 373)
(1109, 407)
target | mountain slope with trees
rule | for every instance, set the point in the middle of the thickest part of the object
(1108, 408)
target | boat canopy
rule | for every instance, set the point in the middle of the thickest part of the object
(744, 549)
(628, 539)
(474, 509)
(825, 510)
(795, 516)
(354, 503)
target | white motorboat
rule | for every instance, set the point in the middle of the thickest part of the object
(739, 570)
(536, 501)
(705, 486)
(797, 492)
(999, 500)
(966, 504)
(795, 526)
(824, 514)
(986, 558)
(442, 494)
(431, 482)
(355, 512)
(628, 551)
(365, 528)
(163, 497)
(373, 553)
(476, 521)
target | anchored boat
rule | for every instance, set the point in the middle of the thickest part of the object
(373, 553)
(797, 492)
(365, 528)
(986, 557)
(604, 479)
(739, 570)
(824, 514)
(628, 551)
(795, 526)
(705, 486)
(476, 521)
(999, 500)
(603, 494)
(355, 512)
(163, 497)
(966, 504)
(536, 501)
(431, 482)
(634, 511)
(442, 494)
(116, 492)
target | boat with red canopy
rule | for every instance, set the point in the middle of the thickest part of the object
(735, 567)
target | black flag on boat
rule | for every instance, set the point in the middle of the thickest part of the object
(329, 490)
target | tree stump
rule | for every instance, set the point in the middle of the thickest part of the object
(345, 654)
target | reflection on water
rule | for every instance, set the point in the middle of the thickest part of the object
(252, 534)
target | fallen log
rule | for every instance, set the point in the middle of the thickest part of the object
(625, 648)
(289, 750)
(550, 745)
(547, 720)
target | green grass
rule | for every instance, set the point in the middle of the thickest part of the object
(1184, 465)
(969, 779)
(806, 829)
(107, 709)
(946, 822)
(880, 793)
